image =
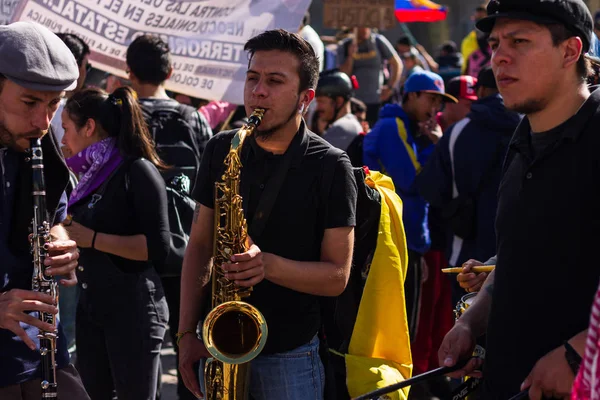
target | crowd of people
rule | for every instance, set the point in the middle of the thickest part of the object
(490, 148)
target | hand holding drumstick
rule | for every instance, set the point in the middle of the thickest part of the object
(472, 274)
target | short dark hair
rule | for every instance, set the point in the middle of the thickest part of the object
(357, 106)
(405, 96)
(404, 40)
(149, 59)
(449, 47)
(282, 40)
(559, 34)
(77, 45)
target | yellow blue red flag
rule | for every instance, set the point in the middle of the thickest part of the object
(419, 11)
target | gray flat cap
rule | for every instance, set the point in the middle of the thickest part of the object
(35, 58)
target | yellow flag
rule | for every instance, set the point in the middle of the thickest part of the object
(379, 353)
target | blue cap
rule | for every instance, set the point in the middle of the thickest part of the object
(428, 82)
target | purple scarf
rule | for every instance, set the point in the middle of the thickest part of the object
(93, 166)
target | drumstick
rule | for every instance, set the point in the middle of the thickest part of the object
(458, 270)
(522, 395)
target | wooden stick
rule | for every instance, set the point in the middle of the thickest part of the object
(458, 270)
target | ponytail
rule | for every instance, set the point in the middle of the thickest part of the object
(118, 115)
(134, 136)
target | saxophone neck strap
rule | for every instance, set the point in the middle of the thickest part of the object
(274, 183)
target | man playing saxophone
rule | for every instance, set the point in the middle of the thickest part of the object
(305, 248)
(36, 68)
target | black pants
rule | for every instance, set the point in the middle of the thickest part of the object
(69, 387)
(120, 331)
(412, 291)
(172, 288)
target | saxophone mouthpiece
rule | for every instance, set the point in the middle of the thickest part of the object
(256, 117)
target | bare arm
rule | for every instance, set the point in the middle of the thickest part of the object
(476, 316)
(134, 247)
(432, 64)
(578, 342)
(348, 65)
(327, 277)
(195, 275)
(131, 247)
(396, 70)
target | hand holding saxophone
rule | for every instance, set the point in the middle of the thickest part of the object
(246, 269)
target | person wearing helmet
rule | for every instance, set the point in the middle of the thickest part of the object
(334, 91)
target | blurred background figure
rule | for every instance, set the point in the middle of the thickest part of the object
(462, 88)
(364, 57)
(471, 42)
(450, 61)
(311, 36)
(333, 94)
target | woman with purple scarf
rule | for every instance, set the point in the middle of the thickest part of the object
(118, 216)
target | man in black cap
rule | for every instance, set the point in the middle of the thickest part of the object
(36, 68)
(548, 221)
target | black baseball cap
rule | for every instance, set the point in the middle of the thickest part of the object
(573, 14)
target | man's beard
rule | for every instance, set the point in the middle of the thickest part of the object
(9, 139)
(528, 107)
(266, 134)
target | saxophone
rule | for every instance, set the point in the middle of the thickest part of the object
(40, 237)
(234, 332)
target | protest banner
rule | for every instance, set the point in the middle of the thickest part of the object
(359, 13)
(7, 8)
(206, 37)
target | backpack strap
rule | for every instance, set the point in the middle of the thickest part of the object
(185, 111)
(273, 186)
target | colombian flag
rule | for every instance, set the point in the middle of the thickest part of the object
(419, 11)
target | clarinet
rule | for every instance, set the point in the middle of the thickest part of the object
(40, 237)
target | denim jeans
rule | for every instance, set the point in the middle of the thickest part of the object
(294, 375)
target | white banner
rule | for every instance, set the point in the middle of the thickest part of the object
(206, 37)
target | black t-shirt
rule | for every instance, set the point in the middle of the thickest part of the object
(295, 227)
(548, 230)
(541, 140)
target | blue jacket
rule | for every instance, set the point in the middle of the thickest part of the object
(479, 153)
(393, 147)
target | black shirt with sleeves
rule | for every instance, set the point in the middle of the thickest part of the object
(548, 230)
(295, 227)
(134, 202)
